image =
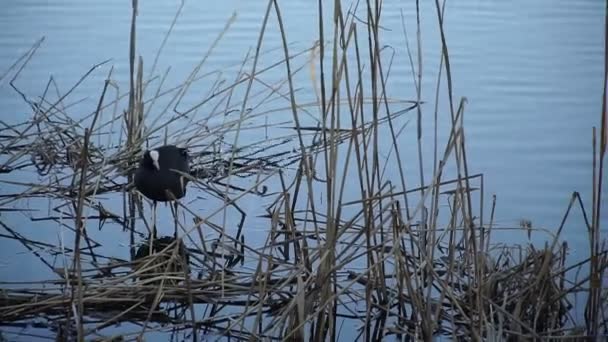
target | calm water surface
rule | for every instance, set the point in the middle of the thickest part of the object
(531, 70)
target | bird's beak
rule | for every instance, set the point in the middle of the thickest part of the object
(154, 156)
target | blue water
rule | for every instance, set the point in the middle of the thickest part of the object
(531, 71)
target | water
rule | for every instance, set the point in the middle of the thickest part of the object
(531, 71)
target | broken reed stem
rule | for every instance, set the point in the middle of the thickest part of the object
(133, 127)
(80, 224)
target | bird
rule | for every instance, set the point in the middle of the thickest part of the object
(160, 177)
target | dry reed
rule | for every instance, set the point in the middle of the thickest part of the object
(346, 251)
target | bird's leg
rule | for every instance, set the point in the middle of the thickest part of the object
(153, 235)
(175, 217)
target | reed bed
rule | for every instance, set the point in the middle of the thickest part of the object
(335, 249)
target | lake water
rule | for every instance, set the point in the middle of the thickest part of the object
(531, 71)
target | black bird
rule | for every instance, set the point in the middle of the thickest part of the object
(160, 177)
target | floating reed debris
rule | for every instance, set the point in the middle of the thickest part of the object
(318, 234)
(167, 256)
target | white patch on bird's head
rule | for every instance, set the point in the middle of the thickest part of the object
(154, 156)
